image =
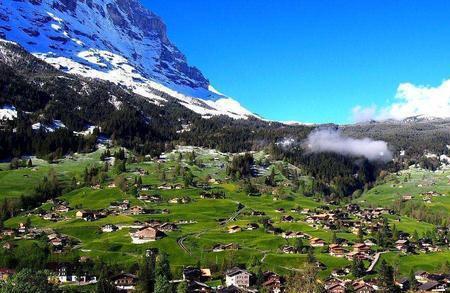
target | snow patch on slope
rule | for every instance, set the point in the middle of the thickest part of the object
(56, 124)
(8, 112)
(89, 130)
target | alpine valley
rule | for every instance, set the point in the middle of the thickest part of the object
(123, 169)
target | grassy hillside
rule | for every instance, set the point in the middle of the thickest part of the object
(193, 242)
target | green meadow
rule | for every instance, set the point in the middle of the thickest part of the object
(206, 215)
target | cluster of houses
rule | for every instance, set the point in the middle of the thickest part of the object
(430, 282)
(180, 200)
(57, 242)
(57, 212)
(170, 186)
(144, 232)
(336, 285)
(212, 195)
(116, 208)
(125, 208)
(149, 198)
(151, 231)
(236, 280)
(427, 196)
(424, 282)
(235, 228)
(352, 218)
(66, 273)
(361, 251)
(423, 245)
(241, 280)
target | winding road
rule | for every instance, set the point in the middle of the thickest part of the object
(180, 241)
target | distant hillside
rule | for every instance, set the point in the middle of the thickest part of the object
(414, 136)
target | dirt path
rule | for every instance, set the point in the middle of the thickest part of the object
(375, 261)
(181, 244)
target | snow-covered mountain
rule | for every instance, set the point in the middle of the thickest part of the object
(116, 40)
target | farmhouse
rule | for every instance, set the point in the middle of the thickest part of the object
(291, 235)
(56, 241)
(433, 286)
(338, 287)
(252, 226)
(9, 232)
(109, 228)
(407, 197)
(153, 198)
(191, 273)
(146, 234)
(336, 250)
(340, 272)
(258, 213)
(421, 276)
(222, 247)
(22, 228)
(335, 285)
(167, 227)
(234, 229)
(237, 277)
(88, 215)
(62, 208)
(402, 245)
(196, 274)
(316, 242)
(62, 273)
(174, 200)
(125, 281)
(143, 197)
(165, 187)
(403, 283)
(50, 217)
(272, 282)
(122, 206)
(356, 255)
(288, 219)
(363, 287)
(136, 210)
(196, 286)
(288, 249)
(361, 248)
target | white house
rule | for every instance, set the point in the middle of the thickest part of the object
(237, 277)
(109, 228)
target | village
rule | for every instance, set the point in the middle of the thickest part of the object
(211, 230)
(353, 218)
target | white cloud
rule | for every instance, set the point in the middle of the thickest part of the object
(330, 140)
(364, 114)
(410, 100)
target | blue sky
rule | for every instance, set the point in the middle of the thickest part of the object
(309, 61)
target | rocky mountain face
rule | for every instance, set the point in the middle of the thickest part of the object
(116, 40)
